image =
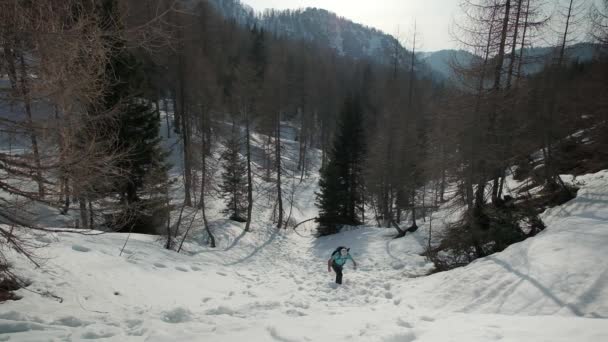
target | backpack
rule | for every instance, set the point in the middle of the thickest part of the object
(338, 250)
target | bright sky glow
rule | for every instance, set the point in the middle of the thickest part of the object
(396, 17)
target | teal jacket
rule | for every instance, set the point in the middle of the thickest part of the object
(340, 260)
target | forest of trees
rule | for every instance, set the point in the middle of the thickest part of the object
(83, 84)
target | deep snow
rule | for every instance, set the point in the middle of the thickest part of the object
(274, 286)
(271, 285)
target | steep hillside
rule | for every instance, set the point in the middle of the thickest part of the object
(562, 271)
(271, 285)
(328, 29)
(321, 27)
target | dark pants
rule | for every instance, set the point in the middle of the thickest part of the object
(338, 269)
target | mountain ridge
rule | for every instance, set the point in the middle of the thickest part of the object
(359, 41)
(319, 26)
(536, 58)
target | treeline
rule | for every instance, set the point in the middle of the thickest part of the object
(499, 121)
(77, 131)
(493, 121)
(223, 73)
(84, 84)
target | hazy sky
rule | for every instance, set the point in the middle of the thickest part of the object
(433, 17)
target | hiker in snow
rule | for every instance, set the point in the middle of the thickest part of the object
(337, 260)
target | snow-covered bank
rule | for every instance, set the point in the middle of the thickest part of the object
(562, 271)
(274, 286)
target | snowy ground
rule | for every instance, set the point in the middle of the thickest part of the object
(274, 286)
(271, 285)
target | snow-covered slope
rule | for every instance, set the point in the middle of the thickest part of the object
(274, 286)
(324, 28)
(271, 285)
(563, 271)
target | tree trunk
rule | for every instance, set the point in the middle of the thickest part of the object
(84, 221)
(468, 188)
(442, 187)
(414, 225)
(562, 49)
(301, 140)
(166, 106)
(66, 198)
(514, 45)
(249, 175)
(64, 186)
(495, 186)
(500, 57)
(157, 107)
(10, 57)
(523, 41)
(202, 202)
(168, 204)
(278, 163)
(176, 112)
(304, 160)
(502, 184)
(398, 216)
(384, 204)
(186, 141)
(324, 139)
(400, 232)
(480, 194)
(553, 177)
(267, 159)
(475, 138)
(91, 215)
(363, 209)
(424, 203)
(429, 251)
(412, 70)
(30, 122)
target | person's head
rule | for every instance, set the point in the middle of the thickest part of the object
(344, 252)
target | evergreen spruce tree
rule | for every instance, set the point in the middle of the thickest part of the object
(133, 132)
(234, 179)
(257, 54)
(139, 138)
(143, 166)
(340, 198)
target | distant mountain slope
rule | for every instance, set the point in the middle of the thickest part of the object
(441, 61)
(326, 28)
(232, 9)
(538, 57)
(319, 26)
(361, 42)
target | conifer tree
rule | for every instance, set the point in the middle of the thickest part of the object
(234, 179)
(341, 197)
(133, 133)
